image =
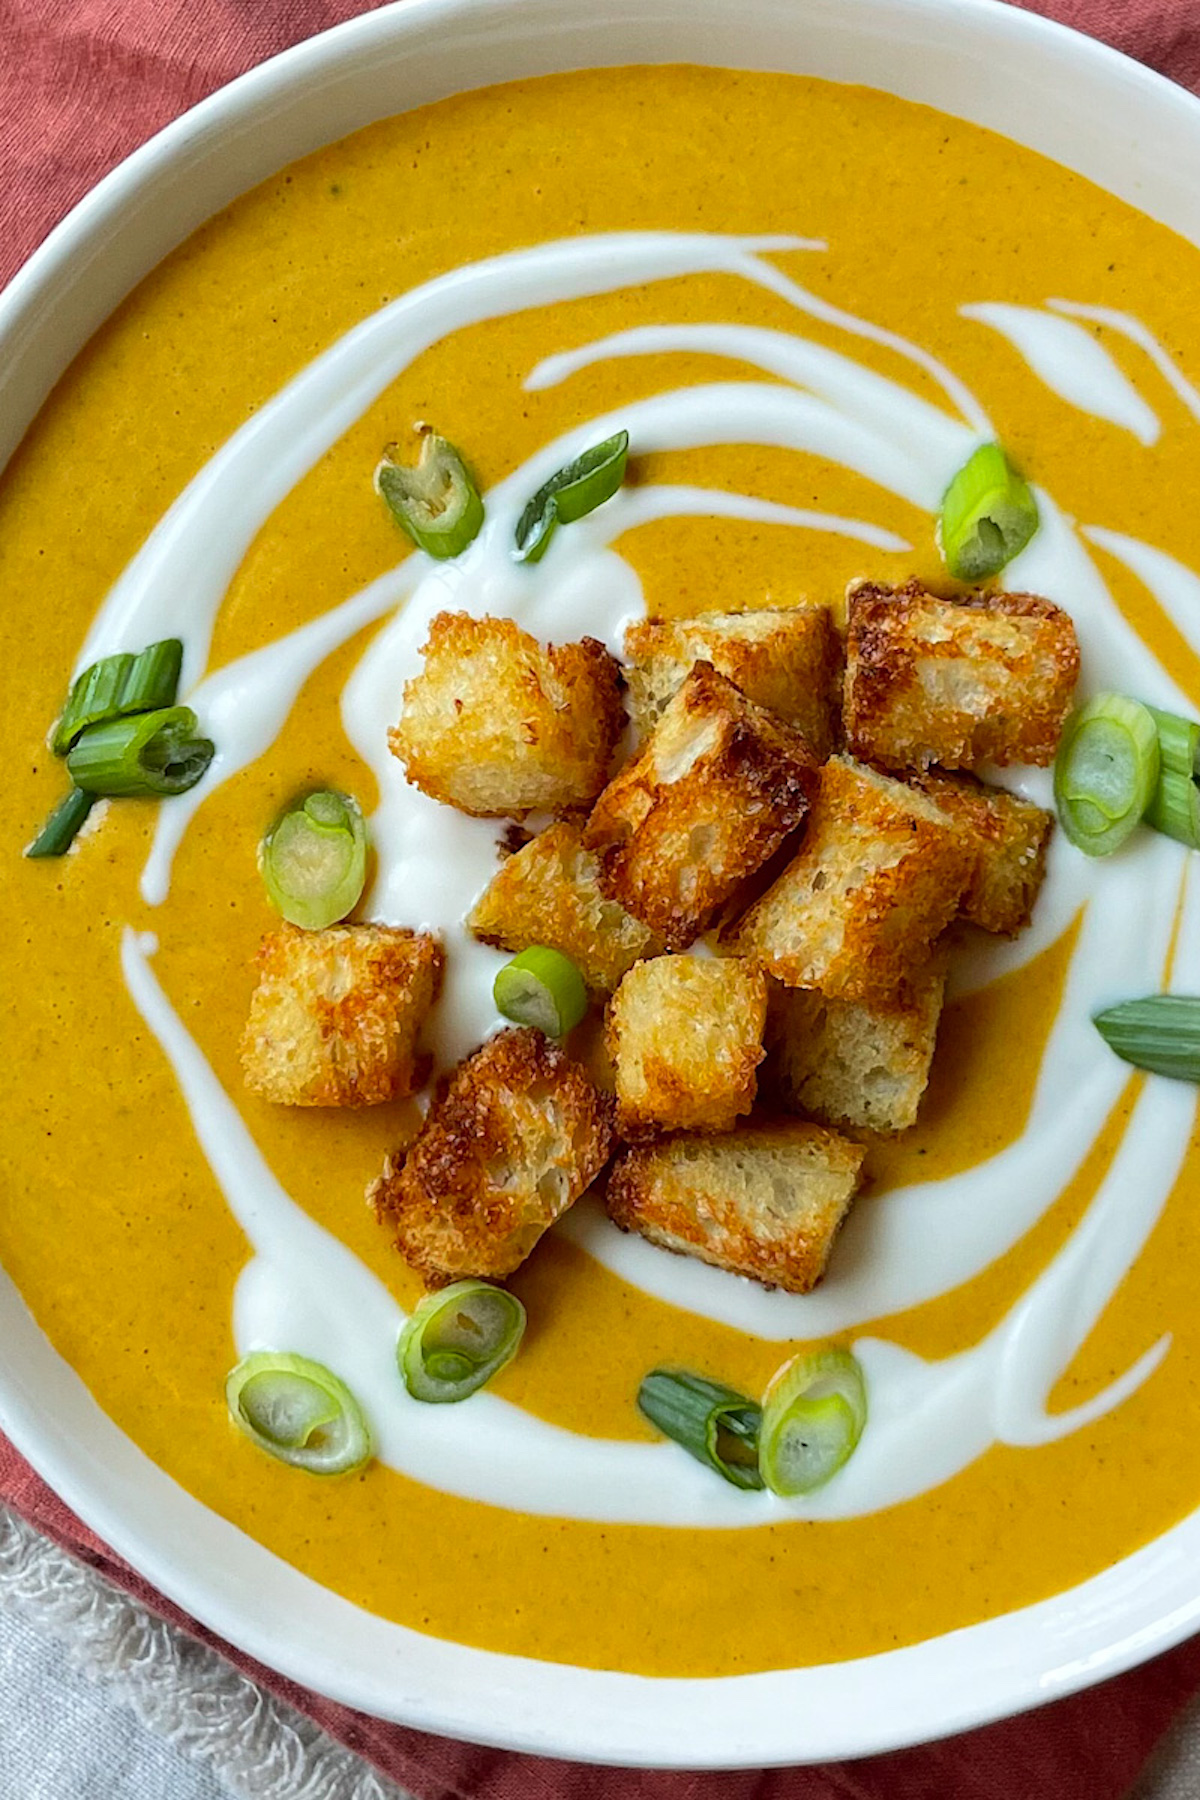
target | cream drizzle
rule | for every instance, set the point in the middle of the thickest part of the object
(305, 1290)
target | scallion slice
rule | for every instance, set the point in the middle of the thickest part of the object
(65, 822)
(713, 1423)
(314, 859)
(147, 754)
(1175, 808)
(456, 1340)
(436, 502)
(118, 686)
(1178, 742)
(1160, 1033)
(988, 515)
(812, 1418)
(298, 1411)
(1106, 772)
(543, 988)
(572, 492)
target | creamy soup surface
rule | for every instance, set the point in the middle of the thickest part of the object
(861, 293)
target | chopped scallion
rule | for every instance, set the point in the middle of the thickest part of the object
(812, 1418)
(1178, 742)
(988, 515)
(713, 1423)
(543, 988)
(146, 754)
(456, 1340)
(436, 502)
(118, 686)
(570, 493)
(1160, 1033)
(298, 1411)
(62, 827)
(314, 859)
(1106, 772)
(1175, 808)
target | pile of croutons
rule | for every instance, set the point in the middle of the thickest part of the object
(759, 898)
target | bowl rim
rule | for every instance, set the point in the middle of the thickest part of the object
(1142, 1605)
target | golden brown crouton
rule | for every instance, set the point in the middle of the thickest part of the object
(764, 1201)
(789, 661)
(516, 1135)
(336, 1013)
(1008, 836)
(878, 877)
(549, 893)
(956, 682)
(500, 726)
(713, 792)
(856, 1063)
(685, 1037)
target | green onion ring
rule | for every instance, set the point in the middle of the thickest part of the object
(146, 754)
(65, 822)
(436, 503)
(314, 858)
(299, 1412)
(1106, 772)
(457, 1339)
(117, 686)
(988, 514)
(543, 988)
(813, 1416)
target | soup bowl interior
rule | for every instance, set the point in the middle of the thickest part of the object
(1061, 95)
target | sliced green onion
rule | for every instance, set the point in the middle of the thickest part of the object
(1161, 1033)
(298, 1411)
(988, 514)
(813, 1416)
(59, 832)
(575, 490)
(713, 1423)
(117, 686)
(543, 988)
(314, 859)
(456, 1340)
(1175, 808)
(1178, 742)
(146, 754)
(436, 502)
(1106, 772)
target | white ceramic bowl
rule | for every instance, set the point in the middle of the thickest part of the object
(1060, 94)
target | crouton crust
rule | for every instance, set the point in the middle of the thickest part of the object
(764, 1201)
(1009, 837)
(549, 893)
(856, 1064)
(956, 682)
(499, 725)
(684, 1035)
(515, 1136)
(716, 788)
(335, 1016)
(878, 877)
(786, 659)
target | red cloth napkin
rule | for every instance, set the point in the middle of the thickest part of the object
(82, 82)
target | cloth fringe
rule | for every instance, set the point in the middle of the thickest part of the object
(181, 1690)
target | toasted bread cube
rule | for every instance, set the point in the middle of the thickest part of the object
(956, 682)
(498, 725)
(716, 788)
(1008, 836)
(764, 1201)
(685, 1037)
(853, 1063)
(335, 1017)
(788, 660)
(548, 893)
(516, 1135)
(879, 875)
